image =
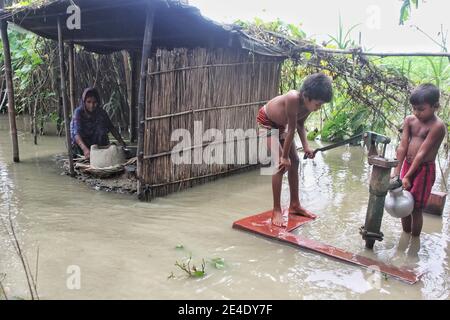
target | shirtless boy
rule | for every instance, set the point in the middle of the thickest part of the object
(287, 113)
(423, 133)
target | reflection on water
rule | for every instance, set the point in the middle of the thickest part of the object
(127, 249)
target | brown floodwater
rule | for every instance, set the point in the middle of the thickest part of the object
(120, 248)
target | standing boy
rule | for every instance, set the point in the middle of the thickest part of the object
(422, 136)
(287, 113)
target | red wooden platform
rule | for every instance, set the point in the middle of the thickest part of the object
(261, 224)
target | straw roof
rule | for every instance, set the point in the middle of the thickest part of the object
(113, 25)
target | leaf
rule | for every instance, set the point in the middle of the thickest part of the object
(342, 39)
(179, 246)
(351, 29)
(219, 263)
(19, 54)
(198, 274)
(25, 69)
(258, 21)
(296, 32)
(405, 11)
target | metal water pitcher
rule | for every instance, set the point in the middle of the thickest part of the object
(399, 203)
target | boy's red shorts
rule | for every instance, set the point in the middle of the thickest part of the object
(265, 122)
(422, 182)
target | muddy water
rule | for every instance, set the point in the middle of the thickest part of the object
(124, 249)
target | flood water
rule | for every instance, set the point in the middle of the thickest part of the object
(125, 249)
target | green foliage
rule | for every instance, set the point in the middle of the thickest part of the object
(192, 270)
(24, 51)
(337, 128)
(27, 3)
(345, 121)
(24, 3)
(29, 71)
(290, 30)
(422, 69)
(312, 135)
(441, 71)
(405, 10)
(343, 39)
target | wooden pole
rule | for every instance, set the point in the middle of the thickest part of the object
(72, 77)
(9, 87)
(63, 94)
(127, 71)
(130, 60)
(133, 94)
(358, 51)
(373, 54)
(36, 103)
(146, 49)
(377, 54)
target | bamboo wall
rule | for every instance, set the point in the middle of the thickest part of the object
(224, 88)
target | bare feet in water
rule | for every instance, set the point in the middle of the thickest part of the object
(279, 219)
(300, 211)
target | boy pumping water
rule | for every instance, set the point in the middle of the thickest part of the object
(288, 113)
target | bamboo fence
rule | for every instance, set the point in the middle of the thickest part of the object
(224, 89)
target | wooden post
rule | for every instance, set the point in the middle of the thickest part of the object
(146, 50)
(55, 85)
(34, 117)
(127, 71)
(72, 77)
(63, 94)
(130, 61)
(9, 87)
(133, 93)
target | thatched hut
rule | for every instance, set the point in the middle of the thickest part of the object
(193, 72)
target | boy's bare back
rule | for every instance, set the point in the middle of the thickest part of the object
(277, 108)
